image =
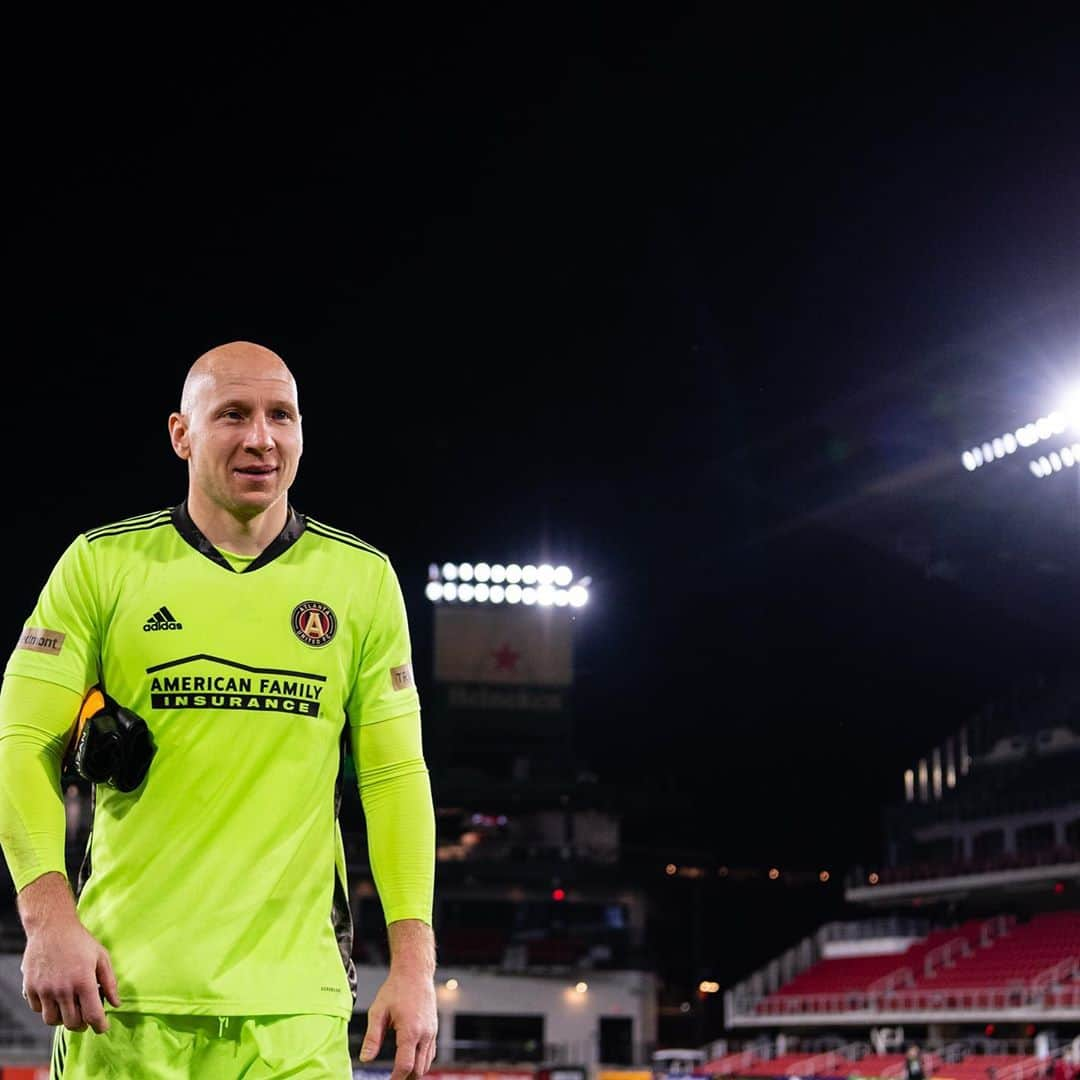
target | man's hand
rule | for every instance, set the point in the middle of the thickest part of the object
(406, 1002)
(63, 964)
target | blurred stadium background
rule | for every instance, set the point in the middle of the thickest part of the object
(964, 938)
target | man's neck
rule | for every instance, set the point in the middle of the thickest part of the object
(241, 536)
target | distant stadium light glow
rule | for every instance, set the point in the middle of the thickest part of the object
(449, 591)
(1045, 427)
(545, 574)
(513, 573)
(528, 575)
(482, 571)
(528, 595)
(498, 573)
(465, 571)
(433, 591)
(465, 592)
(563, 576)
(513, 594)
(562, 597)
(498, 594)
(482, 593)
(545, 595)
(1071, 408)
(449, 572)
(579, 596)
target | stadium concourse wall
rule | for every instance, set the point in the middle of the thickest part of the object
(570, 1004)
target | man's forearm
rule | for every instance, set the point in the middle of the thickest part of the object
(396, 795)
(45, 900)
(35, 717)
(412, 947)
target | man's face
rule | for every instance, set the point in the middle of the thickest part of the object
(241, 434)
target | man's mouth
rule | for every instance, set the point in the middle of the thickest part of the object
(257, 470)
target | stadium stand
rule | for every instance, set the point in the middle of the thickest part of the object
(968, 940)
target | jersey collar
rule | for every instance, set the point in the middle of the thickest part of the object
(294, 529)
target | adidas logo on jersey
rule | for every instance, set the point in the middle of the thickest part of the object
(162, 619)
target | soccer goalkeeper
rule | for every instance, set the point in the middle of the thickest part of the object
(209, 933)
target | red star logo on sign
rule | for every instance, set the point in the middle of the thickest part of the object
(505, 658)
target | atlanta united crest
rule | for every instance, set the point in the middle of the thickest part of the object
(314, 623)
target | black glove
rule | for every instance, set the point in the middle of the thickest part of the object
(113, 745)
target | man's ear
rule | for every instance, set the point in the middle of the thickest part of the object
(178, 435)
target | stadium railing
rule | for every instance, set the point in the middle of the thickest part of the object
(907, 1000)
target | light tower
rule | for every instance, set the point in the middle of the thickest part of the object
(504, 669)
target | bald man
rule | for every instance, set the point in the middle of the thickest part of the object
(209, 932)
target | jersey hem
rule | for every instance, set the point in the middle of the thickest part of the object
(377, 716)
(45, 676)
(21, 879)
(200, 1007)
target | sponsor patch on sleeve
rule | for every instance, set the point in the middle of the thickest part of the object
(38, 639)
(401, 677)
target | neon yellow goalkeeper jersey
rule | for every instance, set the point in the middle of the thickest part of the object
(218, 885)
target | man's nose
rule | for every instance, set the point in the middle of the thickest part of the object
(259, 436)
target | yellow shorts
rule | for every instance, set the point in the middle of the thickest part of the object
(156, 1046)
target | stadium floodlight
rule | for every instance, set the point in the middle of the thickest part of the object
(1055, 461)
(1057, 422)
(532, 584)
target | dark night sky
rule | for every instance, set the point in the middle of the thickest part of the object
(657, 295)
